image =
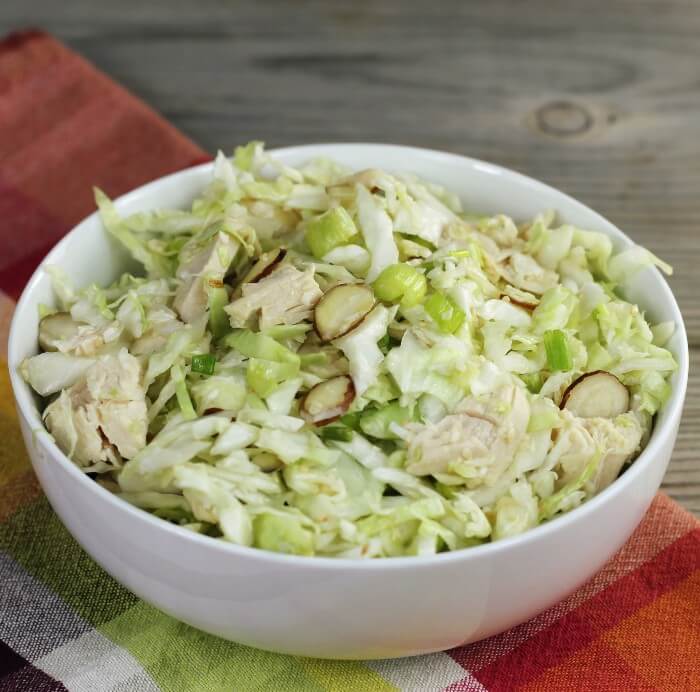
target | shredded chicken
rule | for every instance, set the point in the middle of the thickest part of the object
(88, 341)
(208, 264)
(103, 416)
(620, 439)
(163, 322)
(286, 296)
(76, 429)
(483, 435)
(578, 442)
(115, 378)
(432, 448)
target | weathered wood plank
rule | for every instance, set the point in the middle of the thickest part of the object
(599, 99)
(682, 480)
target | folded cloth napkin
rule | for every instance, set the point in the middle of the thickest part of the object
(66, 624)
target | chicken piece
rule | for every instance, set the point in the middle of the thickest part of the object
(616, 439)
(103, 416)
(477, 442)
(150, 342)
(619, 438)
(572, 448)
(286, 296)
(124, 424)
(163, 322)
(198, 266)
(509, 408)
(523, 272)
(508, 404)
(86, 340)
(115, 378)
(76, 431)
(458, 437)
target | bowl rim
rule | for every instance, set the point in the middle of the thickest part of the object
(659, 438)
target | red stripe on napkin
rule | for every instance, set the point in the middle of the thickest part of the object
(64, 127)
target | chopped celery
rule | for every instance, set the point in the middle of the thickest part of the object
(558, 351)
(260, 346)
(533, 381)
(330, 230)
(448, 316)
(401, 283)
(218, 319)
(336, 432)
(377, 422)
(181, 393)
(203, 363)
(351, 420)
(264, 376)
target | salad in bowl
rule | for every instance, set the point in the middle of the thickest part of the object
(342, 363)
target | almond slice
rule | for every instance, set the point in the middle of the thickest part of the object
(265, 265)
(521, 298)
(56, 327)
(267, 461)
(597, 394)
(341, 309)
(328, 400)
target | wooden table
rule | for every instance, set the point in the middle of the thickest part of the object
(600, 99)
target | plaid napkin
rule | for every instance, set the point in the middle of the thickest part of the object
(66, 624)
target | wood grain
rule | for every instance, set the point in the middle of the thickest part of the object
(599, 99)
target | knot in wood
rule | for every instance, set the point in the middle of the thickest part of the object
(563, 119)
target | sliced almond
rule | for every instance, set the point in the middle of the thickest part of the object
(265, 265)
(369, 177)
(523, 272)
(521, 298)
(267, 461)
(597, 394)
(341, 309)
(328, 400)
(54, 328)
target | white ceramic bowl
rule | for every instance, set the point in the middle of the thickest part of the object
(342, 608)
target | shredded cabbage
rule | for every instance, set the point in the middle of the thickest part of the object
(444, 414)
